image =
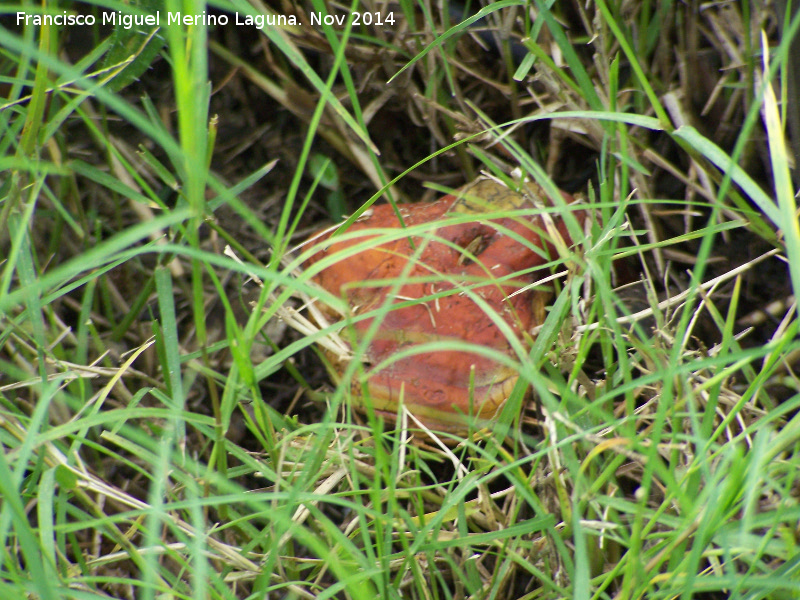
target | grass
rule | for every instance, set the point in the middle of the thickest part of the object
(166, 436)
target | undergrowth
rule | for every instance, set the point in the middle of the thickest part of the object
(166, 435)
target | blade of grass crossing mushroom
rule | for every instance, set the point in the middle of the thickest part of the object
(532, 168)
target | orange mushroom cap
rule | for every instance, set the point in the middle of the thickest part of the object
(435, 299)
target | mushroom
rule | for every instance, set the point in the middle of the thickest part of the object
(452, 279)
